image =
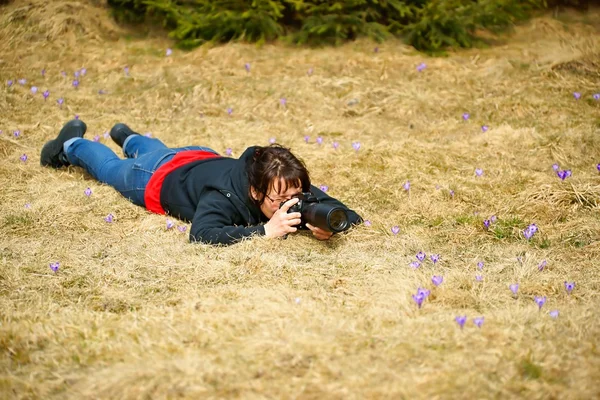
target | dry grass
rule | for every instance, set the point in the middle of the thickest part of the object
(137, 312)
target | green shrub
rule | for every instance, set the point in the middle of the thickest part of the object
(428, 25)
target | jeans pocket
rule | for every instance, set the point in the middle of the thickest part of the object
(163, 159)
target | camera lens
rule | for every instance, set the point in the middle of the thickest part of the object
(337, 220)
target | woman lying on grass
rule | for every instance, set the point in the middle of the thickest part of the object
(225, 199)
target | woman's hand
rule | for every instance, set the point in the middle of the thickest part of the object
(282, 223)
(319, 233)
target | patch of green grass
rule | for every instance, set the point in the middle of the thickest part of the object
(17, 221)
(507, 227)
(466, 220)
(529, 369)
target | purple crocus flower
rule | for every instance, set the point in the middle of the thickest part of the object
(54, 266)
(83, 71)
(356, 146)
(23, 157)
(76, 116)
(63, 73)
(395, 230)
(569, 286)
(376, 50)
(126, 70)
(461, 320)
(283, 101)
(434, 258)
(310, 71)
(9, 83)
(478, 321)
(564, 174)
(16, 133)
(60, 102)
(530, 231)
(437, 280)
(229, 110)
(451, 192)
(170, 224)
(406, 186)
(598, 167)
(319, 140)
(421, 256)
(478, 278)
(76, 74)
(247, 67)
(367, 222)
(76, 83)
(324, 188)
(22, 81)
(306, 138)
(28, 205)
(101, 91)
(514, 288)
(182, 228)
(486, 223)
(423, 292)
(493, 218)
(466, 116)
(415, 264)
(542, 265)
(272, 140)
(109, 218)
(484, 128)
(34, 89)
(46, 94)
(148, 134)
(540, 301)
(418, 298)
(106, 134)
(555, 167)
(88, 192)
(480, 265)
(478, 171)
(168, 52)
(421, 67)
(577, 95)
(554, 314)
(228, 151)
(596, 96)
(96, 138)
(43, 72)
(336, 145)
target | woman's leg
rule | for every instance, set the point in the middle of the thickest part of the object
(129, 176)
(137, 145)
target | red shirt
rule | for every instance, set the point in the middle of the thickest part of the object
(152, 193)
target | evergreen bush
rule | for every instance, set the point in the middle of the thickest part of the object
(429, 25)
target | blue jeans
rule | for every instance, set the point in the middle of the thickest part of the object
(130, 175)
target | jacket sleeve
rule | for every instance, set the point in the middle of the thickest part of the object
(217, 221)
(355, 219)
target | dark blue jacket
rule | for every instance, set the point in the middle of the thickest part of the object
(213, 195)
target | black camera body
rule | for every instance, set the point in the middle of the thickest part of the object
(329, 217)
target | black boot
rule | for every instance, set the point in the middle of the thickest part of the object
(120, 132)
(53, 154)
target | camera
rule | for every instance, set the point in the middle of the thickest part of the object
(325, 216)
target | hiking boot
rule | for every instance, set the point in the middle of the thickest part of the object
(120, 132)
(53, 154)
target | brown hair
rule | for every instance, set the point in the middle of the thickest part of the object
(271, 163)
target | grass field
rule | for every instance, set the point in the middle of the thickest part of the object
(135, 311)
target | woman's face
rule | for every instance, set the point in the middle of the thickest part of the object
(276, 196)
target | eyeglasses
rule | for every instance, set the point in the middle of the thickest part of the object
(279, 200)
